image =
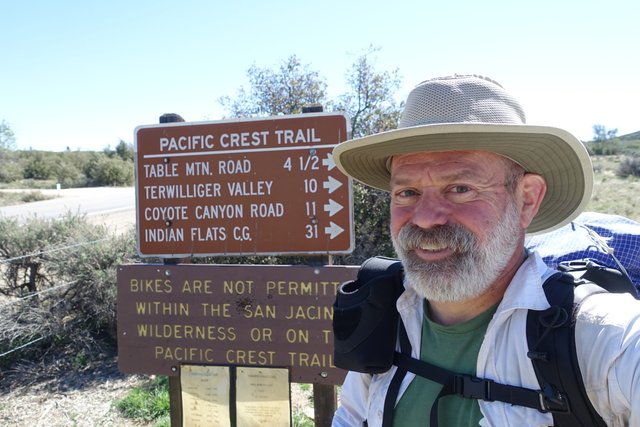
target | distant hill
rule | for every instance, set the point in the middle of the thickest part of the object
(630, 136)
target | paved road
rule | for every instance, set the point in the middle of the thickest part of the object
(114, 206)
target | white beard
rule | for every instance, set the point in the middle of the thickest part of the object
(473, 267)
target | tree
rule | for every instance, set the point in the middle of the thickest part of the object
(601, 133)
(124, 150)
(283, 91)
(11, 169)
(369, 102)
(7, 137)
(370, 105)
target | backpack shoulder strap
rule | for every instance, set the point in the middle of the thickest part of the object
(552, 349)
(467, 386)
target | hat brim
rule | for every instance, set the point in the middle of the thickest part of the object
(551, 152)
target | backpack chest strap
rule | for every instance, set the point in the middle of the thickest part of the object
(466, 386)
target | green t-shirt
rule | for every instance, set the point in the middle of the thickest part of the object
(454, 348)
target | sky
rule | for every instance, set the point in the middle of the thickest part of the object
(83, 75)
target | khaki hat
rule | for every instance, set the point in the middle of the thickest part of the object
(476, 113)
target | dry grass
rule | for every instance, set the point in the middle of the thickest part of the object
(612, 194)
(11, 197)
(53, 396)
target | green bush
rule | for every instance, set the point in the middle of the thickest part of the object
(38, 165)
(147, 403)
(67, 173)
(106, 171)
(69, 168)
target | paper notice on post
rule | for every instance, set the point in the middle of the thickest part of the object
(205, 396)
(263, 397)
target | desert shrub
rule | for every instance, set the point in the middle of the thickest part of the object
(59, 282)
(629, 166)
(604, 148)
(34, 196)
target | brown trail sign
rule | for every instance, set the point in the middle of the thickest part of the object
(246, 315)
(263, 186)
(245, 187)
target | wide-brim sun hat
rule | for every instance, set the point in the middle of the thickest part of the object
(475, 113)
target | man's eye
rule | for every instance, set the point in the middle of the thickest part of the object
(407, 193)
(405, 196)
(460, 189)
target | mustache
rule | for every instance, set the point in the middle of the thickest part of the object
(455, 236)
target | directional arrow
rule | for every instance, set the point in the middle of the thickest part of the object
(332, 207)
(333, 230)
(328, 162)
(332, 184)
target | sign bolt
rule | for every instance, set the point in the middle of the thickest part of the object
(174, 369)
(323, 374)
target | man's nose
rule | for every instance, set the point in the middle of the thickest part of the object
(431, 210)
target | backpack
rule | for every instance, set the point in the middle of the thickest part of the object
(367, 327)
(608, 240)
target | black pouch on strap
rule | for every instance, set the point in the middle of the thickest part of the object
(365, 318)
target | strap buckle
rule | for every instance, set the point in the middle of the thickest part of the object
(473, 387)
(551, 400)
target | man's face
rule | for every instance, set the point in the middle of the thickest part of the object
(454, 221)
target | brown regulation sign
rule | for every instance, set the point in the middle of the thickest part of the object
(266, 186)
(240, 315)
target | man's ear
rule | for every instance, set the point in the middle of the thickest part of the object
(532, 189)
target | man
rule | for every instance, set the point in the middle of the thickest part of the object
(467, 179)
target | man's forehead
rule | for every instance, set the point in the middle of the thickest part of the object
(483, 158)
(450, 166)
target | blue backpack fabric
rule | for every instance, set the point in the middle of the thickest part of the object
(608, 240)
